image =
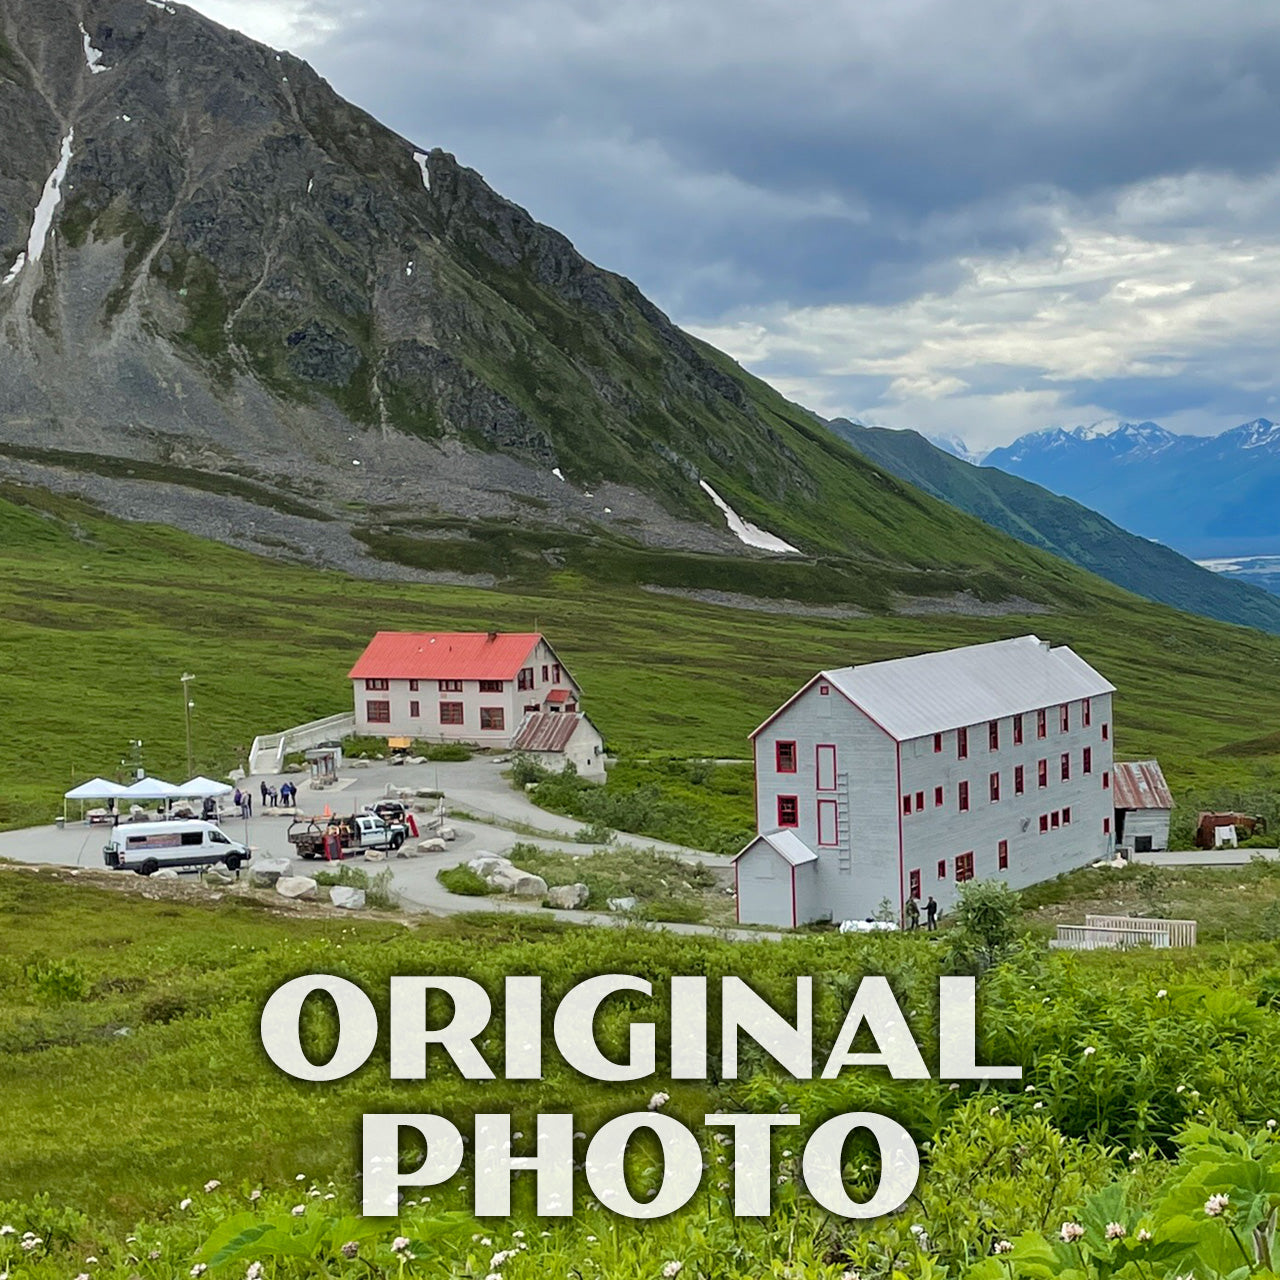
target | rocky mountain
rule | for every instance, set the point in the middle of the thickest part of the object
(1065, 527)
(953, 445)
(234, 302)
(1204, 495)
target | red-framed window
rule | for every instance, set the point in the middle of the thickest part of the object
(942, 868)
(1106, 826)
(937, 743)
(906, 803)
(1065, 765)
(919, 801)
(524, 678)
(1042, 725)
(1066, 817)
(825, 764)
(937, 798)
(1002, 855)
(828, 824)
(913, 884)
(964, 797)
(1019, 780)
(1054, 819)
(1086, 760)
(993, 735)
(492, 686)
(788, 811)
(449, 686)
(993, 787)
(413, 686)
(964, 867)
(377, 685)
(451, 713)
(377, 712)
(1106, 781)
(556, 673)
(962, 744)
(546, 674)
(785, 753)
(1064, 717)
(1017, 731)
(824, 690)
(1086, 713)
(1106, 731)
(1042, 773)
(415, 710)
(492, 718)
(1044, 822)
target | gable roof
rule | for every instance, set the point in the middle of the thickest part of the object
(932, 692)
(1140, 784)
(786, 844)
(444, 655)
(547, 730)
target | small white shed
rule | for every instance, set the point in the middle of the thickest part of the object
(1143, 804)
(776, 879)
(556, 738)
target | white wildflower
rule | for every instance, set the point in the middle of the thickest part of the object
(1144, 1236)
(185, 1204)
(659, 1100)
(1161, 994)
(1002, 1246)
(198, 1270)
(1214, 1206)
(212, 1185)
(1089, 1051)
(1071, 1232)
(1116, 1231)
(298, 1210)
(399, 1244)
(672, 1269)
(254, 1272)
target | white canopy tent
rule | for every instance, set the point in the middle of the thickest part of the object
(150, 789)
(200, 788)
(94, 789)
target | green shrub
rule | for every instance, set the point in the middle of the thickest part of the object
(464, 881)
(54, 981)
(524, 770)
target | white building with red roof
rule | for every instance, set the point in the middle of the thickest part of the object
(458, 686)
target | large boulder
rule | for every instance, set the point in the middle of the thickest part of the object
(568, 897)
(484, 864)
(622, 904)
(218, 875)
(350, 899)
(296, 887)
(432, 845)
(265, 872)
(375, 855)
(165, 873)
(522, 884)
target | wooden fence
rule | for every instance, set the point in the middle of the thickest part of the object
(1115, 932)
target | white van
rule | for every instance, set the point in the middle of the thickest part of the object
(145, 847)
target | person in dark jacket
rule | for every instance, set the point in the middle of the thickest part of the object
(931, 914)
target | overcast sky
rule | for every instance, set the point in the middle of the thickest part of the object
(969, 216)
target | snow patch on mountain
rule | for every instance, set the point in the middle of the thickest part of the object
(42, 219)
(957, 448)
(92, 56)
(750, 534)
(420, 159)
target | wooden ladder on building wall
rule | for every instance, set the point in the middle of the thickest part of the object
(844, 852)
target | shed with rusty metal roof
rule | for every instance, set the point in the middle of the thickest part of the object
(1143, 804)
(554, 739)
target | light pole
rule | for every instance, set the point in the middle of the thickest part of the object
(187, 704)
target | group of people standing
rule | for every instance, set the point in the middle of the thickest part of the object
(930, 914)
(286, 795)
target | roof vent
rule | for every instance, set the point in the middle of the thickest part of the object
(493, 635)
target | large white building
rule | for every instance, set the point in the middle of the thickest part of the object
(458, 686)
(905, 778)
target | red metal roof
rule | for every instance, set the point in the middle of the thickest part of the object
(444, 655)
(546, 731)
(558, 695)
(1140, 784)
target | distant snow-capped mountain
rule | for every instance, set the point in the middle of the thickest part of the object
(1204, 495)
(957, 448)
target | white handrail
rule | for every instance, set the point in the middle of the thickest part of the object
(269, 749)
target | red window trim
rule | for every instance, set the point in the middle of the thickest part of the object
(964, 867)
(493, 686)
(492, 714)
(1002, 856)
(817, 766)
(1019, 780)
(1055, 820)
(1086, 760)
(1106, 731)
(795, 763)
(415, 710)
(938, 798)
(919, 801)
(1044, 823)
(913, 879)
(1066, 816)
(1017, 731)
(942, 868)
(834, 842)
(1064, 717)
(962, 797)
(993, 787)
(993, 735)
(1106, 826)
(448, 686)
(1086, 712)
(1042, 723)
(413, 686)
(378, 712)
(906, 804)
(377, 686)
(1106, 781)
(962, 744)
(454, 713)
(794, 802)
(937, 743)
(1065, 765)
(1042, 773)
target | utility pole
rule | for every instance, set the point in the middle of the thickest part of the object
(187, 704)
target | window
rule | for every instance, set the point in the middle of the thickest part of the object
(1086, 713)
(1086, 760)
(1041, 726)
(964, 867)
(377, 712)
(451, 713)
(1066, 817)
(962, 744)
(492, 686)
(415, 710)
(788, 811)
(524, 680)
(449, 686)
(377, 684)
(1106, 781)
(919, 801)
(826, 754)
(824, 690)
(906, 804)
(1019, 780)
(1002, 855)
(1066, 766)
(413, 686)
(937, 743)
(1044, 822)
(1064, 717)
(993, 786)
(546, 673)
(1042, 773)
(993, 735)
(942, 868)
(1106, 826)
(1106, 732)
(1054, 819)
(1017, 731)
(964, 797)
(556, 673)
(828, 824)
(786, 753)
(913, 882)
(937, 797)
(492, 718)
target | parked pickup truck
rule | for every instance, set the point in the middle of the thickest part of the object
(343, 837)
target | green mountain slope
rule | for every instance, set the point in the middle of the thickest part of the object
(1064, 527)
